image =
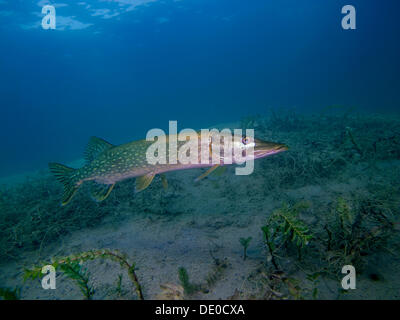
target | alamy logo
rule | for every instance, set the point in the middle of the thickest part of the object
(207, 147)
(349, 281)
(349, 20)
(49, 280)
(49, 20)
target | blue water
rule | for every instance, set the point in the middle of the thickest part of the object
(118, 68)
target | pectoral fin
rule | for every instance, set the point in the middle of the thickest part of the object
(101, 191)
(205, 174)
(143, 182)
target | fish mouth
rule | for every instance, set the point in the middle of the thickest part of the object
(282, 147)
(266, 149)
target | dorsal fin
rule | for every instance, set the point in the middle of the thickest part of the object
(95, 147)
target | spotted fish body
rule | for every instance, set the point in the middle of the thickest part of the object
(117, 163)
(129, 160)
(107, 164)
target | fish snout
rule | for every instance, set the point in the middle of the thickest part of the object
(265, 148)
(282, 147)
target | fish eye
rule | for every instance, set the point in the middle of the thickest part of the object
(245, 140)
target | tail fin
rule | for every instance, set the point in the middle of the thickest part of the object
(64, 174)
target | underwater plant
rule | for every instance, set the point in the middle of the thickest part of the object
(75, 271)
(69, 266)
(356, 230)
(355, 144)
(283, 227)
(314, 278)
(245, 242)
(118, 290)
(216, 272)
(188, 287)
(10, 294)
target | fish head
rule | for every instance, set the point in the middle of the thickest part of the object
(253, 148)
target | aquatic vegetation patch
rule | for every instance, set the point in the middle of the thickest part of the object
(323, 148)
(10, 294)
(217, 271)
(71, 266)
(188, 287)
(357, 230)
(283, 227)
(354, 229)
(245, 242)
(75, 271)
(31, 217)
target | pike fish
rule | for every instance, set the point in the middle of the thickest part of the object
(107, 164)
